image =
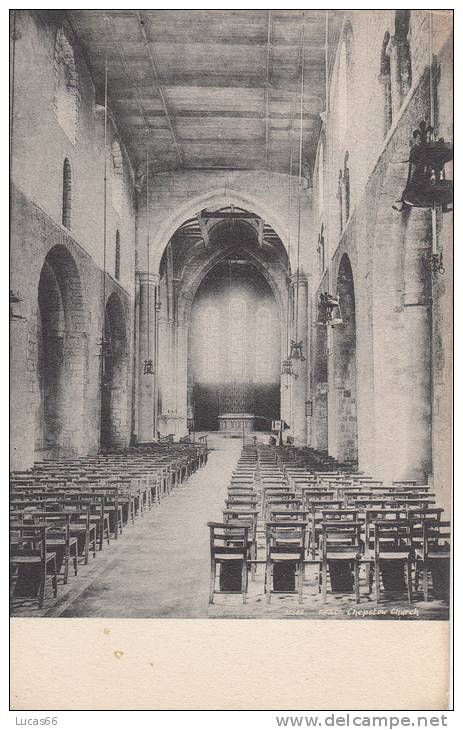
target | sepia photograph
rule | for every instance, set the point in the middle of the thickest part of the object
(231, 314)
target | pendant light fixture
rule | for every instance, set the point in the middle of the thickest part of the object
(427, 186)
(148, 365)
(105, 342)
(296, 346)
(286, 365)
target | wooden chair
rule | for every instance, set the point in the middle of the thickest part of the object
(341, 550)
(59, 539)
(432, 552)
(285, 548)
(229, 544)
(392, 543)
(30, 561)
(247, 517)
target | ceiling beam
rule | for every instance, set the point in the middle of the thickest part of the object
(315, 76)
(203, 229)
(206, 113)
(125, 66)
(144, 26)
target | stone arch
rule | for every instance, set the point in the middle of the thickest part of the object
(189, 290)
(114, 427)
(345, 366)
(61, 350)
(214, 198)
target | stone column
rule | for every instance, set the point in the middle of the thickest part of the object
(300, 378)
(402, 354)
(417, 339)
(146, 351)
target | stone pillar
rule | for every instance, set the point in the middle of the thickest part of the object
(146, 351)
(417, 339)
(299, 380)
(402, 354)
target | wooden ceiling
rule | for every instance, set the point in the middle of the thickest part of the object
(211, 89)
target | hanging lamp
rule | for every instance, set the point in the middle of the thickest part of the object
(148, 365)
(427, 186)
(104, 343)
(296, 346)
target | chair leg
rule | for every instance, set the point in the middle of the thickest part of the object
(409, 580)
(377, 579)
(42, 586)
(87, 546)
(300, 580)
(357, 580)
(212, 581)
(54, 580)
(244, 576)
(268, 580)
(425, 581)
(66, 564)
(76, 559)
(324, 580)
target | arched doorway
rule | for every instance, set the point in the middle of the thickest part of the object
(114, 419)
(345, 367)
(60, 357)
(234, 346)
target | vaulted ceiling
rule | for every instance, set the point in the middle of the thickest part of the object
(211, 89)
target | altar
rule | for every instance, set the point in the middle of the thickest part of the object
(233, 424)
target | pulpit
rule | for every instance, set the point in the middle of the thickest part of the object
(233, 424)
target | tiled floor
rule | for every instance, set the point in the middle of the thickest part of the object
(160, 568)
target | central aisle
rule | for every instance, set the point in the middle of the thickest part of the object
(160, 567)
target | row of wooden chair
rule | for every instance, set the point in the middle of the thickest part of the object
(60, 512)
(336, 519)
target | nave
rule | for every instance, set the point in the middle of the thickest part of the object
(157, 562)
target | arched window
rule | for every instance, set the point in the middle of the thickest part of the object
(117, 176)
(263, 344)
(402, 44)
(385, 79)
(321, 182)
(344, 193)
(117, 262)
(237, 330)
(67, 194)
(211, 351)
(66, 85)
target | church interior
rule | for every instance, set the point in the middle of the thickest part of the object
(231, 313)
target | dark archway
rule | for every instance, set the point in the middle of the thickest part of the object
(114, 388)
(60, 357)
(345, 366)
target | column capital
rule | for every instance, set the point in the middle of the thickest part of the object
(147, 278)
(299, 279)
